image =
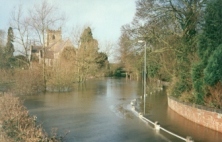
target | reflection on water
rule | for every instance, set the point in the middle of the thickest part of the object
(157, 110)
(98, 111)
(95, 111)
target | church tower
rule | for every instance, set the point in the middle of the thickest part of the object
(53, 36)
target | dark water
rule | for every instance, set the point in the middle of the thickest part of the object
(98, 111)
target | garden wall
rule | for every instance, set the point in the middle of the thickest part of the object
(208, 117)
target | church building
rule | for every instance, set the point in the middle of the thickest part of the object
(54, 45)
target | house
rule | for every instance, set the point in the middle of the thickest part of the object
(54, 46)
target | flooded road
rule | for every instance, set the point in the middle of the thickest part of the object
(99, 111)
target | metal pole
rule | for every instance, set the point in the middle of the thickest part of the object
(144, 75)
(144, 79)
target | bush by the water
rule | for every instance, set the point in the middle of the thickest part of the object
(16, 125)
(21, 81)
(27, 82)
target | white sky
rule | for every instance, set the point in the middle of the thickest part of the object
(104, 16)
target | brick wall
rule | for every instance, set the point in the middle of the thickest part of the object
(208, 117)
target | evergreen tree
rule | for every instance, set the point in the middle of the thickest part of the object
(213, 70)
(87, 54)
(1, 49)
(86, 35)
(6, 54)
(102, 60)
(207, 71)
(1, 56)
(9, 49)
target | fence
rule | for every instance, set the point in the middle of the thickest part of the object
(156, 125)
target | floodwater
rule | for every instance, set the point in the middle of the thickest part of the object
(99, 111)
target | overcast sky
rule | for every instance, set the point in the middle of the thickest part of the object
(104, 16)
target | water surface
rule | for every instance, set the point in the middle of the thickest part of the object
(99, 111)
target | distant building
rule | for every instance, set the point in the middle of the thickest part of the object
(54, 46)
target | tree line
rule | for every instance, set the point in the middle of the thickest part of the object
(183, 39)
(21, 74)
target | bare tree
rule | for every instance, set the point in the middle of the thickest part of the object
(108, 47)
(42, 17)
(76, 34)
(2, 37)
(20, 24)
(171, 26)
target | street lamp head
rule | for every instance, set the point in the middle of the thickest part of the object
(141, 41)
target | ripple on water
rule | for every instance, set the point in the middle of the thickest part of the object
(121, 111)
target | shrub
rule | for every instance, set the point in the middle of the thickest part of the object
(17, 125)
(61, 78)
(214, 97)
(28, 82)
(198, 83)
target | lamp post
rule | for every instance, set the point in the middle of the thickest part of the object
(144, 74)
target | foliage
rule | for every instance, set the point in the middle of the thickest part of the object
(21, 81)
(2, 37)
(20, 61)
(9, 49)
(17, 125)
(2, 59)
(27, 82)
(41, 18)
(169, 29)
(86, 55)
(75, 64)
(69, 54)
(213, 70)
(102, 60)
(187, 97)
(21, 26)
(209, 49)
(115, 70)
(61, 77)
(214, 97)
(198, 82)
(6, 78)
(128, 55)
(86, 37)
(153, 69)
(119, 72)
(211, 36)
(185, 52)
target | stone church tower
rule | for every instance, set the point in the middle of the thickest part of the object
(53, 36)
(54, 45)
